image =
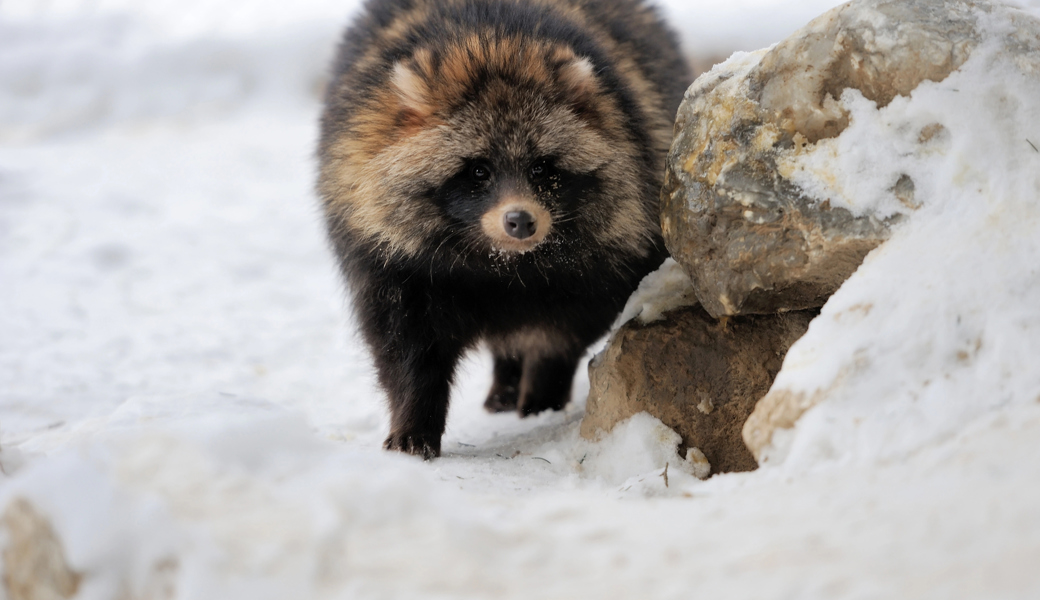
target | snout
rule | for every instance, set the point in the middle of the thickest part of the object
(516, 225)
(520, 224)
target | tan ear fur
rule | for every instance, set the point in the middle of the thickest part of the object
(579, 77)
(413, 94)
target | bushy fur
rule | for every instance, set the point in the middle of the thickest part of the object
(446, 116)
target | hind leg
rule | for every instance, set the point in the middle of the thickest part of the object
(505, 390)
(546, 383)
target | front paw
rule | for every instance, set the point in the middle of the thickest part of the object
(534, 405)
(417, 444)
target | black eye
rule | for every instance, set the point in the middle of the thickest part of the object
(540, 169)
(480, 172)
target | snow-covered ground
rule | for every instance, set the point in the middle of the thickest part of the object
(182, 396)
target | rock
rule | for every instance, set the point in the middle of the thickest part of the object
(34, 562)
(698, 375)
(751, 239)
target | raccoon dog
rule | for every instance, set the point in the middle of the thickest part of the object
(490, 172)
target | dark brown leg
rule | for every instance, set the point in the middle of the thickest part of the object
(417, 382)
(415, 363)
(505, 390)
(546, 383)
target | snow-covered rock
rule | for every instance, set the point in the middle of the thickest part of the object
(940, 324)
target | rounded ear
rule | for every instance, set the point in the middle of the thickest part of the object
(579, 77)
(412, 92)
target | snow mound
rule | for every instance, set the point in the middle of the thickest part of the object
(252, 506)
(221, 497)
(635, 454)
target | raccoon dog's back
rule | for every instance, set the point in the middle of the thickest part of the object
(490, 171)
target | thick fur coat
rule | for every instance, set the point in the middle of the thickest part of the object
(490, 171)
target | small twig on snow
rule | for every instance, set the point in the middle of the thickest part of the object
(1032, 145)
(665, 474)
(540, 458)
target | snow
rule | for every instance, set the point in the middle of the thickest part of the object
(184, 399)
(667, 288)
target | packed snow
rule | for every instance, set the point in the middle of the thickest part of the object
(183, 397)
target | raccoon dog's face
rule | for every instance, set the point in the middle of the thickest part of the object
(493, 146)
(517, 180)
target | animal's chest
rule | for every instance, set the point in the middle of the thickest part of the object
(502, 308)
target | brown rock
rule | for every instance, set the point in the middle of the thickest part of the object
(748, 237)
(699, 376)
(34, 562)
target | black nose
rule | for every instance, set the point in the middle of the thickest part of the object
(519, 224)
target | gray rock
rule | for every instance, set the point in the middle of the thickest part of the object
(698, 375)
(752, 242)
